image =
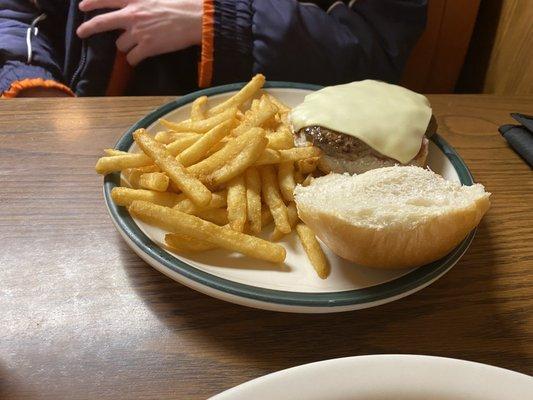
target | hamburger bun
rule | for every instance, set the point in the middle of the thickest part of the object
(394, 217)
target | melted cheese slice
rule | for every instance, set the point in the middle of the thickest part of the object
(388, 118)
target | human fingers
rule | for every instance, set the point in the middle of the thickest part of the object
(137, 54)
(103, 23)
(125, 42)
(89, 5)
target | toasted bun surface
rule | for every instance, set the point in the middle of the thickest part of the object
(394, 217)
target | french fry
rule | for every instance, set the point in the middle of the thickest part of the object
(245, 158)
(106, 165)
(292, 213)
(255, 105)
(157, 181)
(218, 159)
(218, 216)
(192, 187)
(272, 198)
(182, 143)
(196, 151)
(182, 243)
(313, 250)
(269, 156)
(237, 203)
(166, 137)
(308, 180)
(201, 126)
(255, 118)
(133, 176)
(149, 168)
(125, 196)
(218, 200)
(280, 139)
(266, 217)
(286, 180)
(307, 165)
(299, 153)
(115, 152)
(253, 199)
(197, 108)
(246, 93)
(298, 177)
(177, 222)
(281, 106)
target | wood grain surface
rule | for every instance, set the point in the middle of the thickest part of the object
(82, 317)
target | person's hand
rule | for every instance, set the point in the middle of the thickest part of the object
(151, 27)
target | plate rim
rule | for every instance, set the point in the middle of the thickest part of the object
(407, 283)
(435, 361)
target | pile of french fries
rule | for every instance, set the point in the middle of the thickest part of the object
(218, 178)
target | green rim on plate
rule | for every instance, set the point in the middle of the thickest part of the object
(403, 284)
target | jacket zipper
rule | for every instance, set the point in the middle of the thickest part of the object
(81, 65)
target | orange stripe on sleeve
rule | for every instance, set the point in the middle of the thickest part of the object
(120, 75)
(205, 66)
(18, 86)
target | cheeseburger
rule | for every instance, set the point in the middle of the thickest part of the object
(365, 125)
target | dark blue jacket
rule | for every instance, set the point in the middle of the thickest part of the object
(323, 42)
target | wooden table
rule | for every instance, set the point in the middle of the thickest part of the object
(82, 317)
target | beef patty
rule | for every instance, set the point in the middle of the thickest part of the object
(344, 146)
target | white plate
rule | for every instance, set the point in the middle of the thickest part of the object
(294, 286)
(387, 377)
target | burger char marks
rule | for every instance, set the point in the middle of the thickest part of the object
(336, 143)
(345, 146)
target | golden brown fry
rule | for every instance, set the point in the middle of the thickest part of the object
(245, 158)
(218, 200)
(237, 203)
(115, 152)
(308, 180)
(192, 187)
(179, 145)
(182, 243)
(106, 165)
(255, 104)
(269, 156)
(157, 181)
(266, 217)
(133, 176)
(246, 93)
(125, 196)
(217, 216)
(253, 199)
(199, 148)
(166, 137)
(298, 177)
(177, 222)
(197, 108)
(149, 168)
(313, 250)
(281, 106)
(307, 165)
(293, 220)
(272, 198)
(280, 139)
(286, 180)
(257, 117)
(201, 126)
(299, 153)
(218, 159)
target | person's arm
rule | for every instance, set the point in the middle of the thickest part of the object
(329, 43)
(20, 76)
